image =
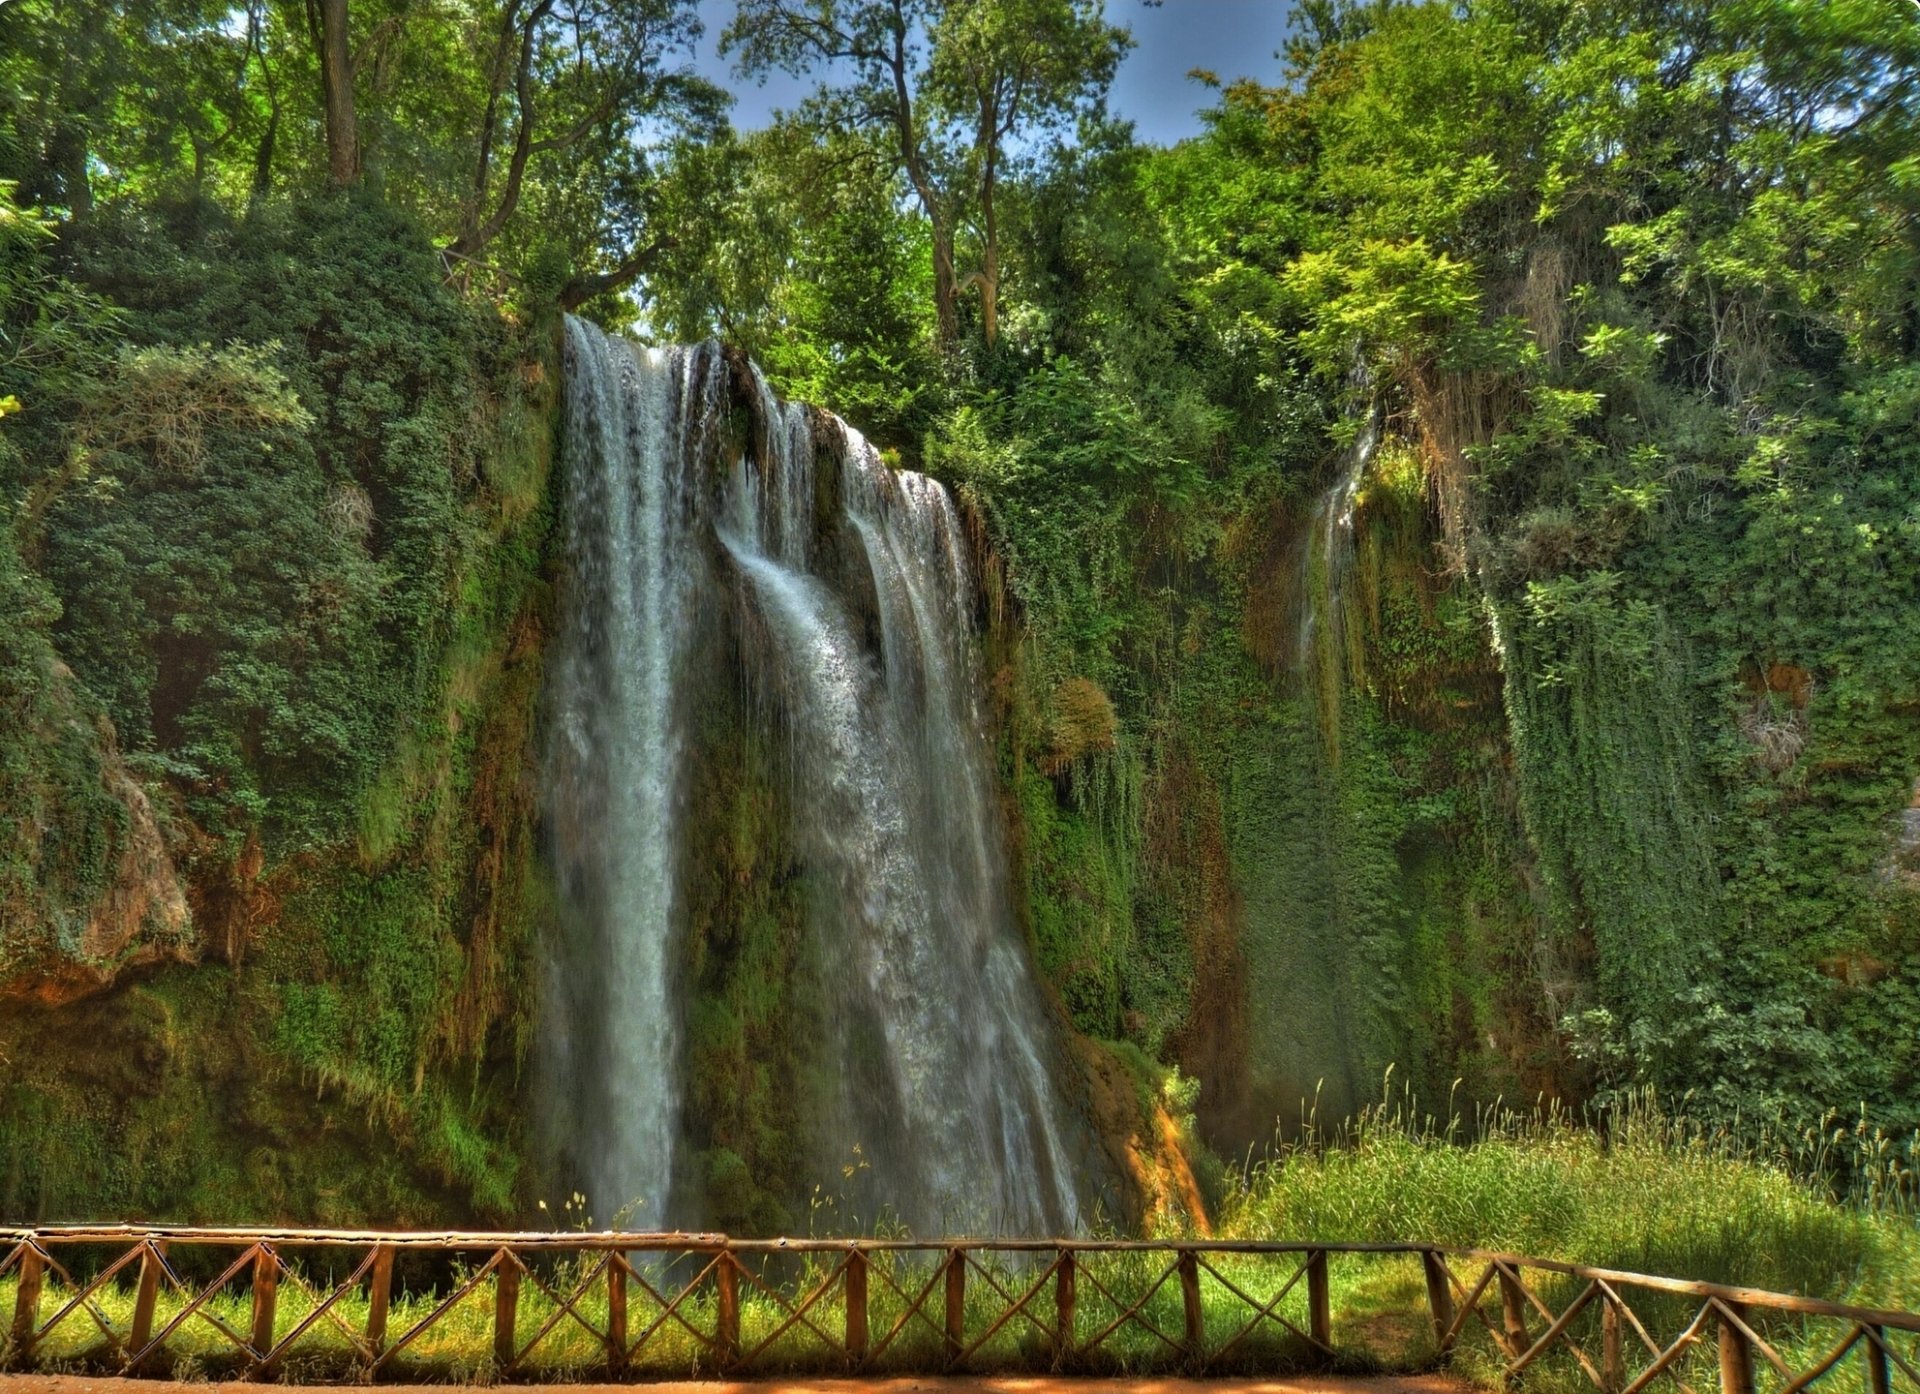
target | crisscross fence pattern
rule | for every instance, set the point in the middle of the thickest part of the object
(294, 1303)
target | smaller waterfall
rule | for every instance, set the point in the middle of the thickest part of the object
(1327, 553)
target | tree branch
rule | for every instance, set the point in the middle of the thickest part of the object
(470, 245)
(636, 264)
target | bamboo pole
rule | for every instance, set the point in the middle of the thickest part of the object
(266, 1294)
(727, 1324)
(1064, 1297)
(1736, 1357)
(1613, 1361)
(26, 1303)
(506, 1309)
(1876, 1356)
(1196, 1317)
(617, 1315)
(146, 1296)
(1513, 1314)
(379, 1294)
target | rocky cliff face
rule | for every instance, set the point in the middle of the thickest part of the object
(77, 935)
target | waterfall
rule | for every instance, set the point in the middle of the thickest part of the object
(941, 1050)
(1326, 657)
(614, 763)
(1327, 550)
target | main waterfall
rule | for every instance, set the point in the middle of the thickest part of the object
(844, 592)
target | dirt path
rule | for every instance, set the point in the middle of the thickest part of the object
(1306, 1384)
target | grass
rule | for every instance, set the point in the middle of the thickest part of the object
(1826, 1213)
(1652, 1194)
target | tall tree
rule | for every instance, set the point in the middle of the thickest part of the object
(1006, 67)
(882, 41)
(327, 22)
(576, 87)
(952, 82)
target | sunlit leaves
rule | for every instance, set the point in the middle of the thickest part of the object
(1401, 298)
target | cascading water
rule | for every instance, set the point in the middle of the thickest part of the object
(1327, 552)
(614, 763)
(1308, 966)
(941, 1051)
(1325, 649)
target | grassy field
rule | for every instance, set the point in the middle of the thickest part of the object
(1651, 1194)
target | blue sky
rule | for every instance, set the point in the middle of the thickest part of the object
(1233, 38)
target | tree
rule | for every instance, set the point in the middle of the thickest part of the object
(881, 39)
(327, 22)
(98, 100)
(808, 254)
(571, 90)
(952, 82)
(1004, 67)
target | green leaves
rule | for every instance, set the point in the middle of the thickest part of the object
(1399, 300)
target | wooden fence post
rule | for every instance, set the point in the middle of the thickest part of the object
(727, 1320)
(506, 1308)
(1736, 1357)
(26, 1303)
(856, 1297)
(1439, 1298)
(379, 1296)
(616, 1314)
(1876, 1354)
(146, 1297)
(1513, 1314)
(266, 1294)
(1613, 1360)
(1319, 1300)
(1190, 1301)
(1063, 1304)
(956, 1304)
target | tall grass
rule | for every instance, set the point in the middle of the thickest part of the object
(1824, 1212)
(1650, 1191)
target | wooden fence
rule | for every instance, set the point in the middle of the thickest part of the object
(639, 1304)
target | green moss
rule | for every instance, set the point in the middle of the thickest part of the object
(1077, 905)
(754, 1023)
(359, 1059)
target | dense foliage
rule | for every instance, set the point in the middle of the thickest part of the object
(1450, 537)
(1586, 767)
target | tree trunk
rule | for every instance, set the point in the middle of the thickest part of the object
(990, 295)
(634, 265)
(946, 285)
(990, 258)
(986, 143)
(474, 238)
(328, 20)
(503, 48)
(946, 323)
(263, 156)
(68, 155)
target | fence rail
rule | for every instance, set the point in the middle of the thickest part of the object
(627, 1304)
